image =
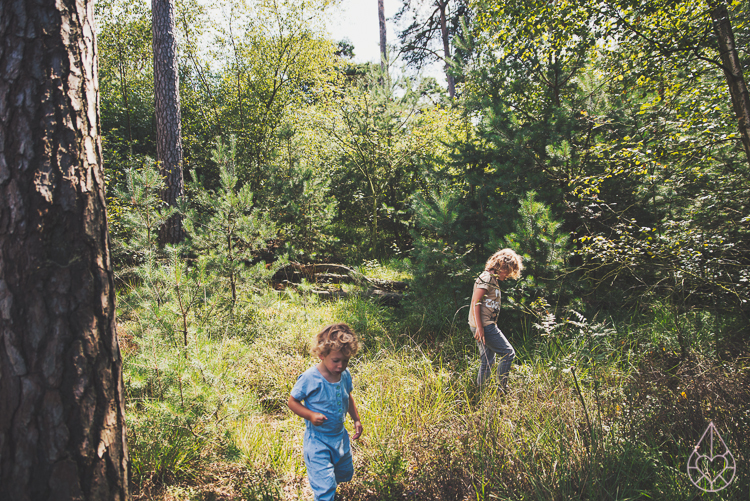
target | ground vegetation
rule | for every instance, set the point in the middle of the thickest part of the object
(600, 140)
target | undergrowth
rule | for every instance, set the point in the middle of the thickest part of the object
(598, 410)
(603, 405)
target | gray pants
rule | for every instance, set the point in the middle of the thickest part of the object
(495, 343)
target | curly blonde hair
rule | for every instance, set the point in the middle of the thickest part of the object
(506, 259)
(335, 337)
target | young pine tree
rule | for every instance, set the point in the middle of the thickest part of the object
(537, 237)
(440, 272)
(229, 231)
(140, 217)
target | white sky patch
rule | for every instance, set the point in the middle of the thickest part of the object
(357, 21)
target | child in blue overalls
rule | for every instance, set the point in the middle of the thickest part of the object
(326, 391)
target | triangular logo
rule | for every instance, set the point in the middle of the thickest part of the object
(711, 466)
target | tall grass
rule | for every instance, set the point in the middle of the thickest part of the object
(596, 410)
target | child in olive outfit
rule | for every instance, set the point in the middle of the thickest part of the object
(326, 391)
(483, 311)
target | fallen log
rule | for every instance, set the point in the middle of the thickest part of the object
(295, 272)
(385, 297)
(387, 292)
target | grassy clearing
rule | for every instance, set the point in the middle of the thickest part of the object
(392, 270)
(595, 411)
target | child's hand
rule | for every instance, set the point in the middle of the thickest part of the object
(479, 335)
(358, 429)
(317, 418)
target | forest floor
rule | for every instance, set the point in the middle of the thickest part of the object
(594, 412)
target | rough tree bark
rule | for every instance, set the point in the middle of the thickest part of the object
(732, 71)
(381, 19)
(168, 118)
(62, 432)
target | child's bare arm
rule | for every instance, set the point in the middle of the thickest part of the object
(358, 428)
(476, 300)
(296, 406)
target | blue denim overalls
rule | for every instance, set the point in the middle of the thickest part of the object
(326, 447)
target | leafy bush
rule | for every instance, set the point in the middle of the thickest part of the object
(441, 279)
(228, 232)
(538, 238)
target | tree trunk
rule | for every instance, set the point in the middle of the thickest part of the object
(381, 19)
(168, 121)
(446, 48)
(732, 71)
(62, 430)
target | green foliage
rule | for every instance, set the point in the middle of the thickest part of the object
(141, 213)
(621, 123)
(274, 60)
(228, 231)
(184, 358)
(126, 83)
(421, 36)
(523, 91)
(382, 140)
(607, 121)
(300, 191)
(161, 448)
(441, 278)
(262, 491)
(669, 166)
(388, 473)
(538, 238)
(181, 397)
(428, 432)
(391, 269)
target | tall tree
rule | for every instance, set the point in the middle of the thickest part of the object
(666, 141)
(383, 135)
(276, 60)
(168, 118)
(62, 432)
(691, 37)
(430, 27)
(381, 20)
(732, 67)
(523, 80)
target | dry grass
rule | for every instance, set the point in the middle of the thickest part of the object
(429, 434)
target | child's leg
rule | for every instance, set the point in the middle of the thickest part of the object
(486, 360)
(498, 343)
(320, 469)
(344, 467)
(329, 462)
